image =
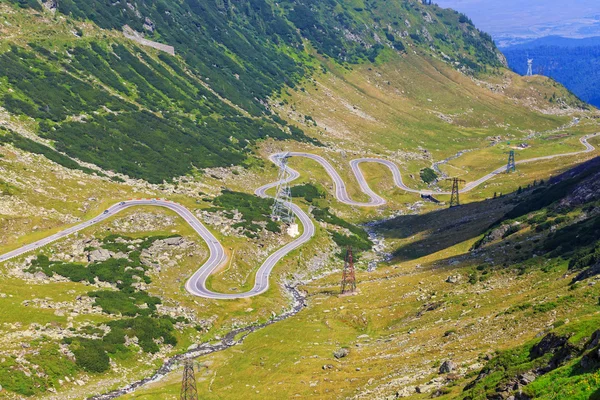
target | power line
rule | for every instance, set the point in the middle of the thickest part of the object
(348, 276)
(511, 166)
(455, 199)
(188, 383)
(282, 210)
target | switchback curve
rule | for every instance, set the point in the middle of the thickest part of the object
(196, 285)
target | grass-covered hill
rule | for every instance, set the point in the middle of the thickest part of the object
(79, 100)
(104, 99)
(509, 310)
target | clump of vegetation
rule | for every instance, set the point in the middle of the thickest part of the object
(93, 354)
(23, 143)
(428, 175)
(45, 368)
(572, 237)
(254, 210)
(358, 240)
(552, 359)
(6, 189)
(308, 192)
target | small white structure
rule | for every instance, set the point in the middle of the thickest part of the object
(529, 66)
(293, 230)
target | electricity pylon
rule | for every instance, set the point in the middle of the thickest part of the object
(455, 199)
(188, 383)
(281, 210)
(511, 166)
(529, 66)
(348, 277)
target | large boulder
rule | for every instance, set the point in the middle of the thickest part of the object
(341, 353)
(174, 241)
(447, 367)
(98, 255)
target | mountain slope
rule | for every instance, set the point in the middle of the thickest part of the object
(92, 116)
(572, 62)
(491, 322)
(94, 93)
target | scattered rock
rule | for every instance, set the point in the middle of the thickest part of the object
(341, 353)
(453, 279)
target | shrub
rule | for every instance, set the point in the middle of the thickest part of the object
(428, 175)
(308, 192)
(91, 356)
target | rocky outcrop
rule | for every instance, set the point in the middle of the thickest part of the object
(149, 25)
(585, 192)
(587, 273)
(453, 279)
(447, 367)
(51, 5)
(562, 351)
(591, 359)
(99, 255)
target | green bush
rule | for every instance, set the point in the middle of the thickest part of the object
(308, 192)
(253, 209)
(428, 175)
(359, 240)
(91, 355)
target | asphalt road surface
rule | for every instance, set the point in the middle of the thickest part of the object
(196, 285)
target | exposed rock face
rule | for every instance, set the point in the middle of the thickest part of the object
(526, 378)
(51, 5)
(551, 343)
(149, 25)
(586, 192)
(588, 273)
(594, 340)
(592, 358)
(495, 234)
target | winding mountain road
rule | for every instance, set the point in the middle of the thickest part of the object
(196, 285)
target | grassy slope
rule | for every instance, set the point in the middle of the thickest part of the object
(383, 114)
(406, 320)
(394, 105)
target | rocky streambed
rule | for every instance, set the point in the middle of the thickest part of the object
(207, 348)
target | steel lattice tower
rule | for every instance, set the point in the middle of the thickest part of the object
(529, 66)
(511, 166)
(348, 277)
(455, 199)
(281, 210)
(188, 383)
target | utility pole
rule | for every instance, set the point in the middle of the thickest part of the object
(281, 210)
(529, 66)
(188, 383)
(455, 199)
(348, 277)
(511, 166)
